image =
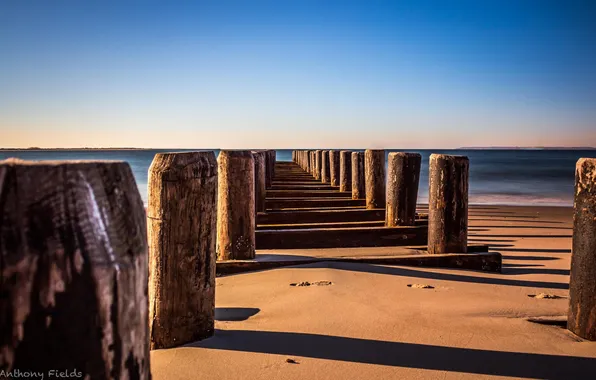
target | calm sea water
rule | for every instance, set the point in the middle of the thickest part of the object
(516, 177)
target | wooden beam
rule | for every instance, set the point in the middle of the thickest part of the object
(341, 237)
(485, 261)
(321, 216)
(281, 203)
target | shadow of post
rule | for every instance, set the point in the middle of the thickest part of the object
(408, 355)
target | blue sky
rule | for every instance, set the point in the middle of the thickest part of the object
(240, 74)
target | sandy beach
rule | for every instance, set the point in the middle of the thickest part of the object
(369, 323)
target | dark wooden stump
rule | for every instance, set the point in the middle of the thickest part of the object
(317, 172)
(325, 169)
(334, 167)
(402, 188)
(582, 282)
(358, 188)
(259, 158)
(448, 204)
(374, 178)
(73, 243)
(181, 214)
(345, 170)
(236, 206)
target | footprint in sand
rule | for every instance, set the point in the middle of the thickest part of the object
(545, 296)
(316, 283)
(420, 286)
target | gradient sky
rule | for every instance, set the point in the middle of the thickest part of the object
(233, 74)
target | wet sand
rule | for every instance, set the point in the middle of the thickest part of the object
(368, 323)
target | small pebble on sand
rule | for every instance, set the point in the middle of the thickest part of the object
(291, 361)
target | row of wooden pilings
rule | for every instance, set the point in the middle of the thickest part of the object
(90, 282)
(363, 173)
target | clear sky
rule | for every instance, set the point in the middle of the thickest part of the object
(284, 73)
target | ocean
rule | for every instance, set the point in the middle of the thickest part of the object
(504, 177)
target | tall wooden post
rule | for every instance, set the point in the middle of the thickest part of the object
(448, 204)
(236, 206)
(307, 161)
(374, 178)
(259, 158)
(318, 164)
(74, 265)
(402, 188)
(325, 169)
(181, 214)
(334, 167)
(358, 188)
(582, 282)
(345, 170)
(293, 156)
(312, 163)
(269, 167)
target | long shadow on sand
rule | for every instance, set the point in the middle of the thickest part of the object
(516, 226)
(537, 250)
(533, 270)
(521, 236)
(235, 314)
(409, 355)
(407, 272)
(530, 258)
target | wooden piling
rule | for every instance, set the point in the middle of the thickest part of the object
(582, 282)
(236, 206)
(181, 214)
(448, 204)
(270, 167)
(374, 178)
(312, 163)
(334, 167)
(325, 169)
(345, 170)
(358, 188)
(74, 262)
(402, 188)
(317, 172)
(260, 179)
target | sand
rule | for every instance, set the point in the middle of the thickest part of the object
(361, 321)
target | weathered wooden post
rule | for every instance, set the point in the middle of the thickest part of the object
(269, 167)
(317, 164)
(448, 204)
(402, 188)
(260, 181)
(181, 214)
(307, 161)
(581, 318)
(334, 167)
(345, 170)
(73, 255)
(325, 170)
(312, 162)
(236, 206)
(293, 156)
(358, 189)
(374, 178)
